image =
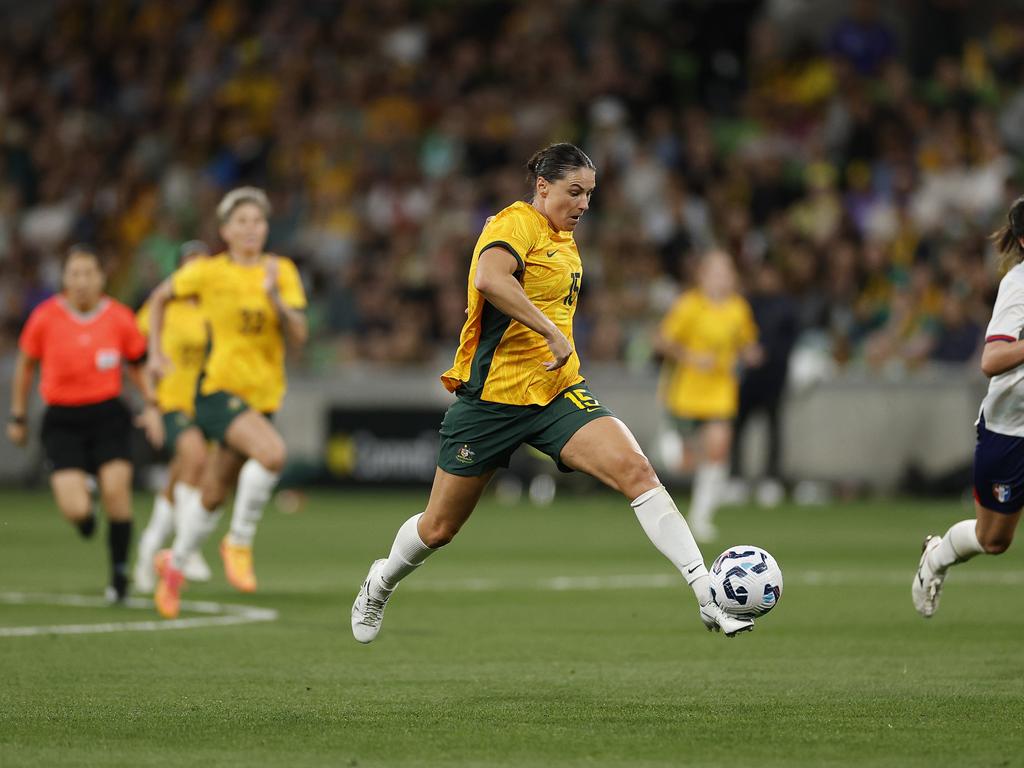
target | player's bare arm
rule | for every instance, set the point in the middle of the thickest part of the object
(496, 281)
(1001, 356)
(150, 419)
(293, 321)
(157, 364)
(17, 423)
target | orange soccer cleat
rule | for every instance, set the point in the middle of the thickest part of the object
(238, 565)
(170, 581)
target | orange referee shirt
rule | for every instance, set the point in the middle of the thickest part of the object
(81, 354)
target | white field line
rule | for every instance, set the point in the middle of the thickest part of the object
(217, 615)
(866, 578)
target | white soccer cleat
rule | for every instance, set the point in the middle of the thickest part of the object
(927, 587)
(715, 619)
(368, 610)
(196, 568)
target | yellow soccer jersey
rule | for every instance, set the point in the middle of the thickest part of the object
(499, 359)
(184, 341)
(247, 345)
(705, 327)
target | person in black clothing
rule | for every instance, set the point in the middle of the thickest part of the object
(762, 388)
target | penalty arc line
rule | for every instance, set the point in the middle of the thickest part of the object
(217, 615)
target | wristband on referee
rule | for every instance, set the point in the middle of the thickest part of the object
(21, 420)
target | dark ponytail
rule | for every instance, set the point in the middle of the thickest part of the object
(1008, 237)
(555, 161)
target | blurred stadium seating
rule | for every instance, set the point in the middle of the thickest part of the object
(866, 163)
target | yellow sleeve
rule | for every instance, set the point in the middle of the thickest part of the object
(747, 327)
(188, 281)
(677, 323)
(290, 284)
(142, 319)
(515, 231)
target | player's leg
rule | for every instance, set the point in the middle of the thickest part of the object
(71, 492)
(452, 500)
(190, 460)
(159, 528)
(199, 517)
(66, 445)
(710, 479)
(991, 532)
(251, 434)
(115, 481)
(605, 448)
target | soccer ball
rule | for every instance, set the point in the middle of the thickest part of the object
(746, 582)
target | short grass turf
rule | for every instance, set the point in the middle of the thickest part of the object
(483, 662)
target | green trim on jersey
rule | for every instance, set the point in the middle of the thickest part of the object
(505, 246)
(493, 324)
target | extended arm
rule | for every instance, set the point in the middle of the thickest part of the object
(495, 279)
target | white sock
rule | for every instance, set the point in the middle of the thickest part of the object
(158, 529)
(407, 554)
(195, 524)
(183, 495)
(958, 545)
(707, 493)
(255, 484)
(668, 531)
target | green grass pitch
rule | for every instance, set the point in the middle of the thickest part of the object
(522, 645)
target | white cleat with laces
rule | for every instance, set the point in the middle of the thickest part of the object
(927, 587)
(368, 609)
(715, 619)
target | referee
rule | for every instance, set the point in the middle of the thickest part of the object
(81, 338)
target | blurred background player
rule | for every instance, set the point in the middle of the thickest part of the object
(763, 387)
(999, 451)
(185, 342)
(704, 335)
(81, 339)
(517, 380)
(252, 302)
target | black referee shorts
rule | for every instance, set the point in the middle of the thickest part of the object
(86, 436)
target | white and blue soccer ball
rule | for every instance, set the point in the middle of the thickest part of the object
(746, 582)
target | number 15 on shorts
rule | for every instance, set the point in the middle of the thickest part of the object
(582, 399)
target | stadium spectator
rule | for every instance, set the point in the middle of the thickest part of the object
(762, 136)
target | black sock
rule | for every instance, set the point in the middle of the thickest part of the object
(86, 525)
(120, 537)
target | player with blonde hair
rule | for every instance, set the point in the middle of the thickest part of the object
(704, 336)
(253, 301)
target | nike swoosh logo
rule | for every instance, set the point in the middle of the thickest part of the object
(551, 253)
(691, 570)
(595, 408)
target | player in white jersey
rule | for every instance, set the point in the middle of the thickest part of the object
(999, 452)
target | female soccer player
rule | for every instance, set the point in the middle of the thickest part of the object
(184, 344)
(81, 339)
(517, 380)
(703, 336)
(252, 301)
(999, 451)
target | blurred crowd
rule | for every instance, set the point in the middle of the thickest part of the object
(860, 164)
